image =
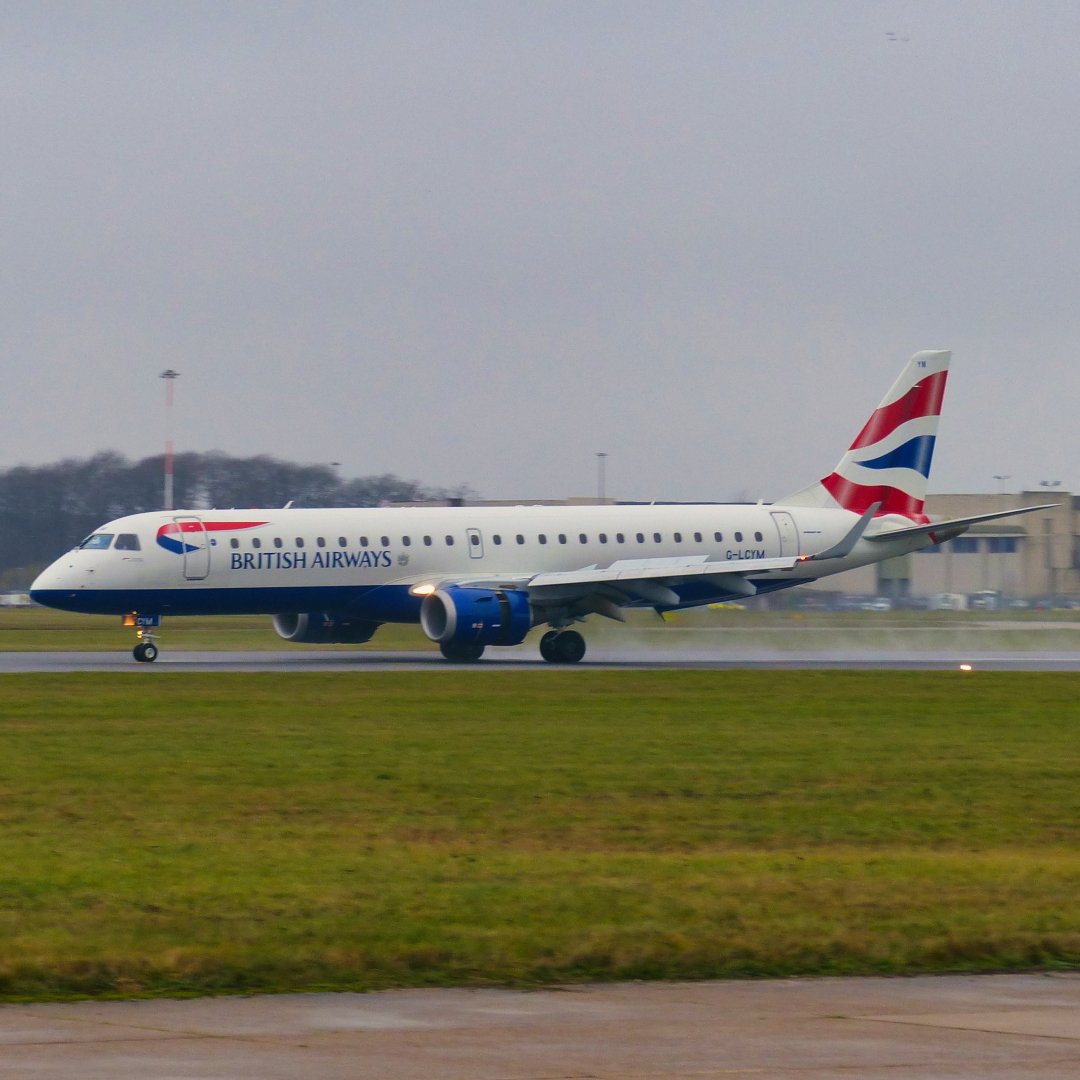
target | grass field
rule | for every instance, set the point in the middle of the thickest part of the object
(239, 833)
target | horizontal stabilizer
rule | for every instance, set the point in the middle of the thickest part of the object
(940, 531)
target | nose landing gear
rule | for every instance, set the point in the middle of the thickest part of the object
(146, 652)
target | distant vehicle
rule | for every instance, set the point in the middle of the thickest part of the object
(879, 603)
(985, 600)
(15, 599)
(948, 601)
(476, 577)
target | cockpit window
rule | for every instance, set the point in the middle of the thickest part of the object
(127, 542)
(97, 542)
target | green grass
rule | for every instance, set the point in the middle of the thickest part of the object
(242, 833)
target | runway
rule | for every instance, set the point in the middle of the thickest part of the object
(994, 1027)
(526, 659)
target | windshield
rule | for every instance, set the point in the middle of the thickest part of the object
(99, 541)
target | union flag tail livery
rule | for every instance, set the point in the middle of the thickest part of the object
(478, 576)
(889, 461)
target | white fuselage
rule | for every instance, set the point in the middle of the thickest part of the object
(374, 561)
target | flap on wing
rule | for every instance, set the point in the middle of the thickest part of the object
(674, 569)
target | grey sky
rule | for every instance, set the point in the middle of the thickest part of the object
(480, 242)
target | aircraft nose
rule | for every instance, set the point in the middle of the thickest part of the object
(56, 583)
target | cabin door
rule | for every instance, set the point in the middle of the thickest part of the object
(475, 542)
(192, 534)
(788, 533)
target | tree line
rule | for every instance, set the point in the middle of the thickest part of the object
(46, 509)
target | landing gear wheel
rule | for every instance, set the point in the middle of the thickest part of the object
(547, 646)
(461, 652)
(567, 647)
(145, 652)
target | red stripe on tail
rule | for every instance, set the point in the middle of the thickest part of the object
(923, 399)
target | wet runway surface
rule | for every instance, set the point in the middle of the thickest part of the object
(926, 1028)
(527, 659)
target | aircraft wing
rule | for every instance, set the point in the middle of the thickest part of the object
(629, 570)
(940, 531)
(606, 590)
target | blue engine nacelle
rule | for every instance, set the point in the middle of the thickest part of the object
(324, 628)
(476, 616)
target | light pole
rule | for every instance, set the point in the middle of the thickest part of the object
(170, 377)
(1048, 535)
(601, 470)
(1001, 481)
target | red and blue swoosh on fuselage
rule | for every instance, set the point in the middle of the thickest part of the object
(167, 534)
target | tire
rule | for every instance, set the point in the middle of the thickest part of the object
(150, 652)
(567, 648)
(460, 652)
(547, 646)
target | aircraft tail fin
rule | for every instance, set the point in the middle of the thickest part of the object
(889, 461)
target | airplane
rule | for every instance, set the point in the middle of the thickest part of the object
(475, 577)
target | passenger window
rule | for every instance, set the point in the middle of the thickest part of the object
(385, 540)
(520, 538)
(562, 538)
(321, 541)
(738, 538)
(97, 542)
(449, 541)
(657, 538)
(406, 541)
(620, 538)
(342, 542)
(474, 540)
(299, 541)
(496, 538)
(697, 538)
(677, 537)
(363, 541)
(234, 543)
(641, 538)
(427, 541)
(603, 538)
(127, 542)
(718, 537)
(758, 537)
(256, 543)
(542, 538)
(583, 538)
(277, 541)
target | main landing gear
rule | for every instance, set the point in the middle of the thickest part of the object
(562, 646)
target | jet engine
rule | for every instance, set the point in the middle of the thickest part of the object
(476, 616)
(324, 628)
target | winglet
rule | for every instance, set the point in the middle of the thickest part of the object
(838, 551)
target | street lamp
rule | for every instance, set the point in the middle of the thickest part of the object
(601, 469)
(170, 377)
(1001, 482)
